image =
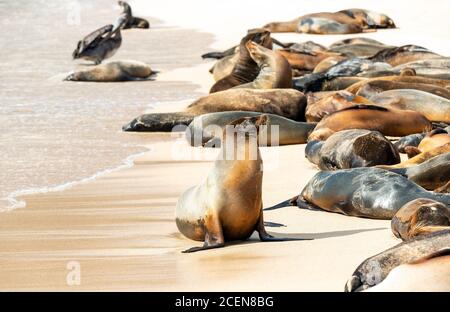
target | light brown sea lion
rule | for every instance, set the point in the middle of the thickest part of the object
(332, 103)
(406, 79)
(207, 129)
(370, 18)
(434, 107)
(420, 216)
(113, 71)
(275, 71)
(284, 102)
(327, 63)
(360, 192)
(431, 174)
(371, 89)
(292, 26)
(375, 269)
(433, 139)
(351, 149)
(404, 54)
(227, 206)
(246, 69)
(306, 61)
(428, 274)
(390, 122)
(422, 157)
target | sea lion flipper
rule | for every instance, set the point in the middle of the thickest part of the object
(213, 237)
(412, 151)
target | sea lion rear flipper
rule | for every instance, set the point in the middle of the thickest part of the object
(213, 237)
(286, 203)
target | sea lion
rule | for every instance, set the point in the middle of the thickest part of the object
(370, 18)
(332, 103)
(375, 269)
(355, 40)
(284, 102)
(351, 149)
(292, 26)
(326, 26)
(224, 66)
(430, 174)
(390, 122)
(327, 63)
(113, 71)
(422, 157)
(400, 55)
(431, 140)
(246, 69)
(227, 206)
(275, 71)
(429, 273)
(102, 43)
(133, 21)
(305, 60)
(358, 49)
(207, 129)
(360, 192)
(438, 67)
(409, 140)
(443, 189)
(419, 217)
(433, 107)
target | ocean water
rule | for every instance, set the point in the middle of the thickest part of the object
(52, 132)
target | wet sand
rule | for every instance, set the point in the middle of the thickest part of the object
(120, 227)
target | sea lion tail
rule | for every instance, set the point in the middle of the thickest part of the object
(286, 203)
(158, 122)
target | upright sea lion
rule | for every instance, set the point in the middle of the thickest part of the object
(430, 174)
(370, 18)
(373, 88)
(284, 102)
(292, 26)
(390, 122)
(102, 43)
(246, 69)
(400, 55)
(375, 269)
(351, 149)
(113, 71)
(227, 206)
(275, 71)
(207, 129)
(431, 140)
(361, 192)
(133, 21)
(418, 159)
(436, 108)
(429, 273)
(332, 103)
(419, 217)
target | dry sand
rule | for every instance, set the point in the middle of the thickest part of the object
(120, 228)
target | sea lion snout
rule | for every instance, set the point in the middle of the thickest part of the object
(353, 284)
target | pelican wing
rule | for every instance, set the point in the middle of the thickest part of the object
(95, 37)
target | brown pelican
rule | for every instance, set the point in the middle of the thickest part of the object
(102, 43)
(133, 22)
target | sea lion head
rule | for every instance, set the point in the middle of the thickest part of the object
(73, 76)
(260, 36)
(257, 52)
(76, 52)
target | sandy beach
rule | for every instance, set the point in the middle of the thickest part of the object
(119, 227)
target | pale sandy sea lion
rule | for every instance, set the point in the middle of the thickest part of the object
(370, 18)
(390, 122)
(400, 55)
(419, 217)
(351, 149)
(284, 102)
(227, 206)
(113, 71)
(326, 26)
(433, 107)
(207, 129)
(375, 269)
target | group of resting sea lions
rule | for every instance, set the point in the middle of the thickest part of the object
(358, 104)
(102, 44)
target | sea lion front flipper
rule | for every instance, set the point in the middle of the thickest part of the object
(213, 237)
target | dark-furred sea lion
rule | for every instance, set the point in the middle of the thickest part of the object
(227, 206)
(390, 122)
(375, 269)
(284, 102)
(419, 217)
(133, 21)
(351, 149)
